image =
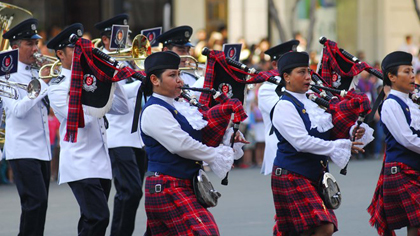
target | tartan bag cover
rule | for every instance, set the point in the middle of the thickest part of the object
(84, 58)
(346, 112)
(331, 65)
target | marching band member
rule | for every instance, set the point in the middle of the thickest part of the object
(400, 119)
(302, 154)
(178, 40)
(85, 165)
(175, 155)
(128, 159)
(267, 98)
(27, 142)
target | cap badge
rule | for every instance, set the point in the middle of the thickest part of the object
(125, 22)
(187, 34)
(79, 33)
(33, 27)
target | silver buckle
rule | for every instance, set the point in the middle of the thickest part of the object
(394, 170)
(278, 171)
(158, 188)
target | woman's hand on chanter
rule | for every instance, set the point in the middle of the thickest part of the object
(355, 149)
(359, 132)
(239, 138)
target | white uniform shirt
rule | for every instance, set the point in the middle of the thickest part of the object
(27, 133)
(88, 157)
(393, 117)
(119, 130)
(267, 98)
(167, 131)
(292, 128)
(188, 78)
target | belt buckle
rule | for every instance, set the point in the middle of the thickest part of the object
(158, 188)
(394, 170)
(278, 171)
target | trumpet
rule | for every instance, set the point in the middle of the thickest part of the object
(43, 59)
(9, 89)
(54, 71)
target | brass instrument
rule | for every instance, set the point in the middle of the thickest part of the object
(139, 50)
(9, 89)
(43, 59)
(96, 42)
(10, 16)
(54, 71)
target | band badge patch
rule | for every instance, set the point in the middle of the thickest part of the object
(152, 34)
(232, 50)
(9, 62)
(336, 80)
(89, 83)
(226, 89)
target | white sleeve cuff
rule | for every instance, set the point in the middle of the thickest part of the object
(341, 153)
(237, 147)
(367, 137)
(223, 161)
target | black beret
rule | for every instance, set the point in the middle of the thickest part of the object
(161, 60)
(62, 39)
(176, 36)
(292, 60)
(24, 30)
(276, 51)
(106, 25)
(396, 58)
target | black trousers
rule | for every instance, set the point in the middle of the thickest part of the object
(128, 179)
(92, 197)
(32, 178)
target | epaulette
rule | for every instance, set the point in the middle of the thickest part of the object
(57, 80)
(190, 74)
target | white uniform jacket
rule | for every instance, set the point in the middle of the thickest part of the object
(267, 98)
(119, 131)
(27, 133)
(88, 157)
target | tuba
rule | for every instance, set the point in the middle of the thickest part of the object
(10, 16)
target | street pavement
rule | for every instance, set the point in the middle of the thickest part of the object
(246, 207)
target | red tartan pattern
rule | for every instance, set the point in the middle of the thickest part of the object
(298, 204)
(218, 118)
(330, 64)
(346, 112)
(75, 117)
(175, 210)
(396, 201)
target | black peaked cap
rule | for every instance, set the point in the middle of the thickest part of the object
(26, 29)
(176, 36)
(62, 39)
(277, 51)
(106, 25)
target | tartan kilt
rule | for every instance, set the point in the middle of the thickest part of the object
(401, 196)
(298, 204)
(175, 210)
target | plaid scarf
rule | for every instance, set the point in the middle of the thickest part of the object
(346, 111)
(83, 52)
(330, 64)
